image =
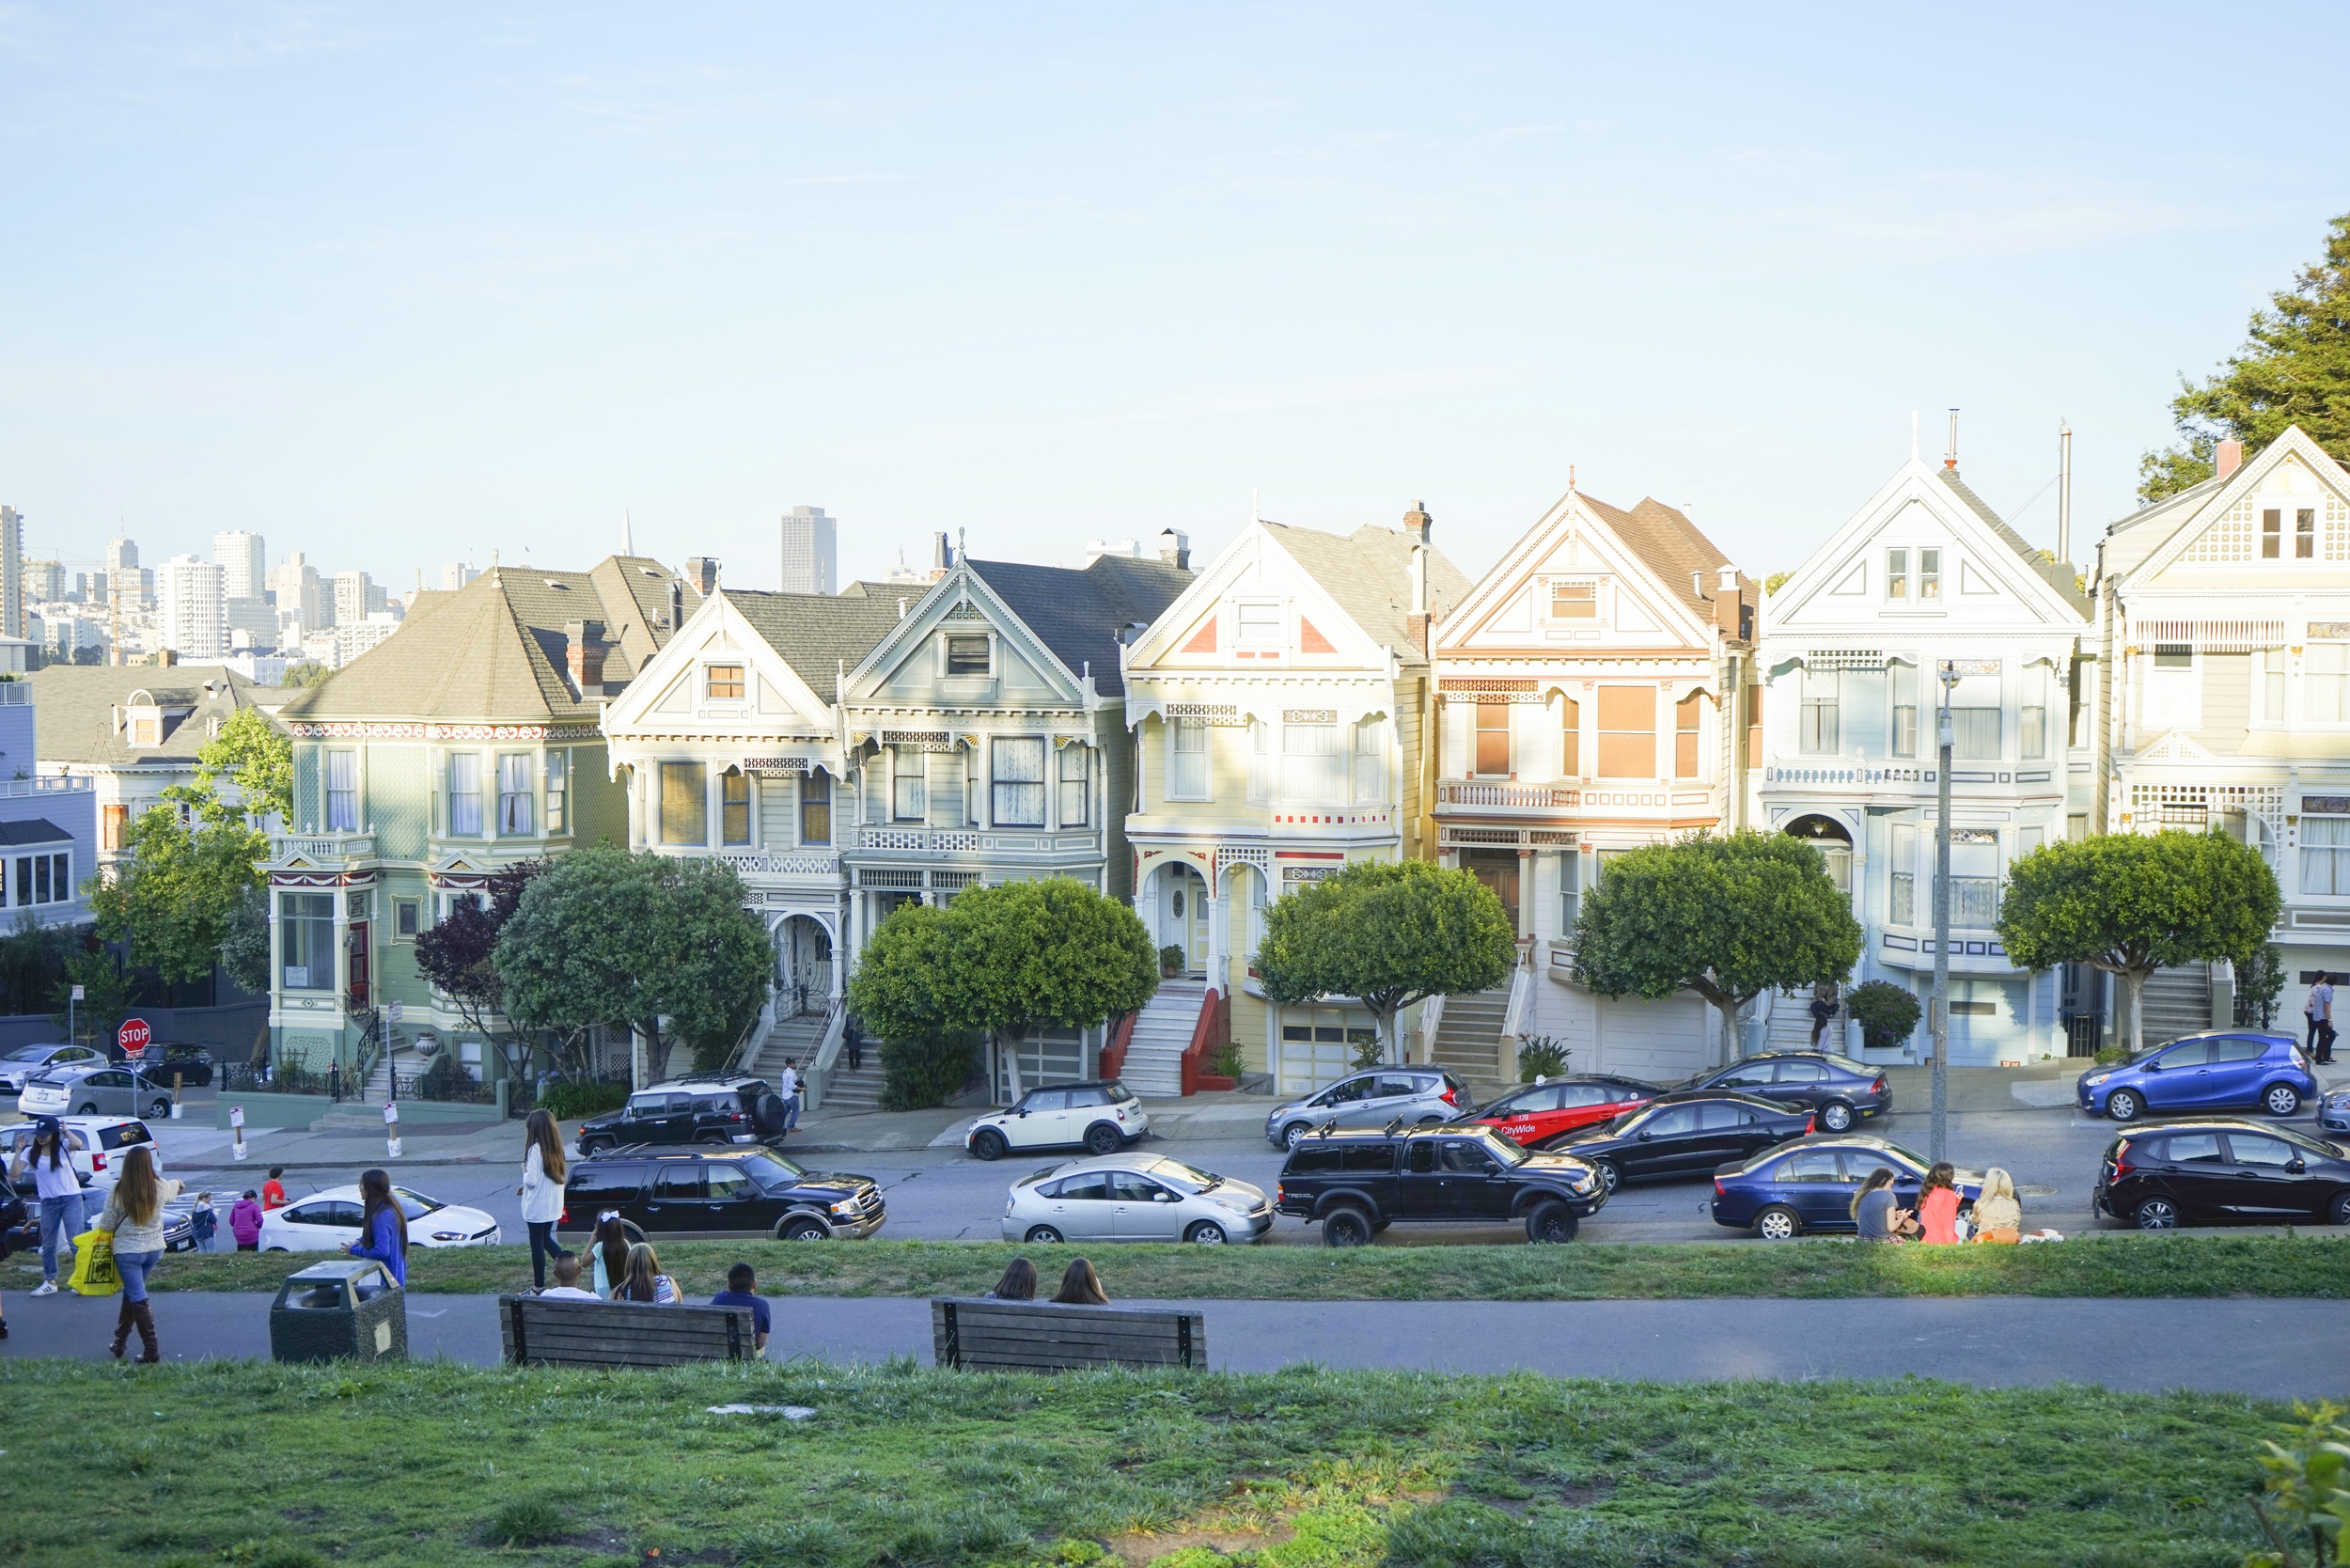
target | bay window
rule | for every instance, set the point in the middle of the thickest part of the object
(515, 794)
(684, 804)
(1311, 765)
(342, 792)
(464, 794)
(1017, 783)
(1186, 759)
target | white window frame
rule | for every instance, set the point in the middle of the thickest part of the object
(1259, 610)
(518, 790)
(1011, 751)
(342, 801)
(1312, 776)
(464, 803)
(1190, 767)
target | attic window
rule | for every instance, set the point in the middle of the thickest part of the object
(553, 584)
(1574, 601)
(147, 729)
(1257, 624)
(967, 655)
(725, 682)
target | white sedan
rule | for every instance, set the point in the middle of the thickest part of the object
(1134, 1198)
(329, 1221)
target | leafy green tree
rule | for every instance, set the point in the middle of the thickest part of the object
(177, 892)
(307, 672)
(456, 955)
(244, 952)
(2294, 371)
(647, 942)
(2260, 982)
(1772, 583)
(2305, 1502)
(250, 754)
(32, 961)
(1728, 916)
(1004, 961)
(1391, 933)
(2130, 903)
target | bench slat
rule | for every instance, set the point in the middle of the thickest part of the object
(536, 1332)
(1043, 1337)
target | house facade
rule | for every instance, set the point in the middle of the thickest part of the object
(48, 822)
(1593, 696)
(467, 742)
(1278, 709)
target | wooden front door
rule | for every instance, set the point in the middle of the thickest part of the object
(1499, 870)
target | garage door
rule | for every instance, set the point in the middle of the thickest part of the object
(1660, 1042)
(1318, 1046)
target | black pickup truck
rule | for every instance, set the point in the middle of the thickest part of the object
(1358, 1182)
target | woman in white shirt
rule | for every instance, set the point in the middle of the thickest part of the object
(541, 1191)
(58, 1185)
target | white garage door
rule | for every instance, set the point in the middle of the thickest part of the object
(1660, 1042)
(1319, 1046)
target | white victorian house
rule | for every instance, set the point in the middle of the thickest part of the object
(1923, 572)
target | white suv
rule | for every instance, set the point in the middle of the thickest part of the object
(1100, 1118)
(95, 1144)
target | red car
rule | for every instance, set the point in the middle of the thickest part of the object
(1539, 1112)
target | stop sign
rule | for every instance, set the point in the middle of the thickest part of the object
(134, 1036)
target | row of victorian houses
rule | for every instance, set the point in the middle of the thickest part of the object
(1201, 740)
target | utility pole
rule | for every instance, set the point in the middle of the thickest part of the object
(1938, 1139)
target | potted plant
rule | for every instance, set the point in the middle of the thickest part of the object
(1885, 1012)
(1172, 960)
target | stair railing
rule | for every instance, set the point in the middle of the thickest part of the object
(1430, 1020)
(818, 1075)
(1513, 1018)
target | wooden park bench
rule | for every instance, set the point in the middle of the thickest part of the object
(537, 1332)
(978, 1335)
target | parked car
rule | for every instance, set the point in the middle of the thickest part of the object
(726, 1108)
(92, 1089)
(1683, 1134)
(1355, 1183)
(2224, 1070)
(329, 1220)
(1100, 1117)
(1422, 1096)
(1542, 1111)
(1810, 1184)
(718, 1192)
(1134, 1198)
(1845, 1092)
(27, 1061)
(95, 1144)
(192, 1065)
(2222, 1168)
(2333, 1112)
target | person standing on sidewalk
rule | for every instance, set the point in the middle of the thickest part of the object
(541, 1191)
(58, 1186)
(789, 1086)
(134, 1218)
(2321, 1018)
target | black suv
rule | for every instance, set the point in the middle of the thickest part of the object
(716, 1193)
(1357, 1184)
(191, 1064)
(719, 1108)
(1842, 1090)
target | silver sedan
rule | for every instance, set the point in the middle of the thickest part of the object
(1134, 1198)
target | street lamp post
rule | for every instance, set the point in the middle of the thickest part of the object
(1938, 1139)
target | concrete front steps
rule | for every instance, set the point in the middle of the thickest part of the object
(1469, 1039)
(1154, 1065)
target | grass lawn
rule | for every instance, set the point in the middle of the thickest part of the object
(294, 1467)
(2117, 1265)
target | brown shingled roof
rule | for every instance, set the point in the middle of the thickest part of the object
(1668, 544)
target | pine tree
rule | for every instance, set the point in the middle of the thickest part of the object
(2294, 371)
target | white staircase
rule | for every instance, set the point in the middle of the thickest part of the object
(1469, 1039)
(859, 1091)
(1789, 1027)
(2177, 1001)
(795, 1038)
(1154, 1056)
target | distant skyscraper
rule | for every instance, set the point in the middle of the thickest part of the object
(243, 561)
(11, 573)
(194, 610)
(300, 595)
(456, 574)
(354, 591)
(122, 550)
(811, 551)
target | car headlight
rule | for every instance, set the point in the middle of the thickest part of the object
(2097, 1078)
(449, 1236)
(847, 1205)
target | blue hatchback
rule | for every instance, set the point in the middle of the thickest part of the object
(2221, 1070)
(1810, 1184)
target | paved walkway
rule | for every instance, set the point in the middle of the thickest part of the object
(2273, 1349)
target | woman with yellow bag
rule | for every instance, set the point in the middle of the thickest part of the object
(134, 1218)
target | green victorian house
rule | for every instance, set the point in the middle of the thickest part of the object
(467, 741)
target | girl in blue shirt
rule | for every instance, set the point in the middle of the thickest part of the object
(383, 1229)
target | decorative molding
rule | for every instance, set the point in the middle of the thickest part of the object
(372, 730)
(1309, 716)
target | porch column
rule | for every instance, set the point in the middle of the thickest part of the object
(1219, 932)
(1526, 892)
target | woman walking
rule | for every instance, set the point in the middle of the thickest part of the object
(382, 1226)
(58, 1186)
(541, 1191)
(134, 1218)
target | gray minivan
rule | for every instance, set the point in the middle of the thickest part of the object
(1420, 1096)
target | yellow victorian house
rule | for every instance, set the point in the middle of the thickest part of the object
(1278, 709)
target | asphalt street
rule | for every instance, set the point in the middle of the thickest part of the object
(2270, 1349)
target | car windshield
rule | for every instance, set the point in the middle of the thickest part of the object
(30, 1053)
(1182, 1175)
(1507, 1150)
(2315, 1145)
(1118, 1092)
(415, 1205)
(770, 1171)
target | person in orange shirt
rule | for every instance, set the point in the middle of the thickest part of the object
(273, 1190)
(1937, 1205)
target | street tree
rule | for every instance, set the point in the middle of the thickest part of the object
(1004, 962)
(456, 956)
(253, 758)
(306, 672)
(2295, 369)
(1728, 916)
(176, 893)
(1391, 933)
(2131, 903)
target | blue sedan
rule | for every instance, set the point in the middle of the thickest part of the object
(2230, 1069)
(1810, 1184)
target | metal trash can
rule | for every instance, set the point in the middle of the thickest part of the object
(348, 1309)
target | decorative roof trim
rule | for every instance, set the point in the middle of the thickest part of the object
(374, 730)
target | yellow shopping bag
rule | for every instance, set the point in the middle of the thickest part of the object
(94, 1270)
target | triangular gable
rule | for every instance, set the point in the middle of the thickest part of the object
(903, 664)
(775, 694)
(2226, 529)
(1256, 563)
(1574, 539)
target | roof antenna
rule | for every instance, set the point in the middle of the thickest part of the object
(1951, 461)
(2064, 489)
(1913, 435)
(628, 533)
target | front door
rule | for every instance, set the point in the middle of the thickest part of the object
(2193, 1168)
(1473, 1184)
(1042, 1120)
(1184, 914)
(677, 1200)
(1499, 870)
(360, 972)
(1656, 1149)
(1812, 1185)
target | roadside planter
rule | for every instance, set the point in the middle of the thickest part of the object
(347, 1309)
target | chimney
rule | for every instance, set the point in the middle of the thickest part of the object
(1175, 549)
(1697, 585)
(1416, 522)
(2228, 457)
(942, 555)
(1416, 624)
(702, 571)
(583, 654)
(677, 603)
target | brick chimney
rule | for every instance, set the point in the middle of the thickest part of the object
(1416, 522)
(702, 571)
(583, 654)
(2228, 457)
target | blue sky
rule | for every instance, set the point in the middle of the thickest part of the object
(403, 284)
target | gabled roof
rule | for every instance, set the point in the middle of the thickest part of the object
(1078, 612)
(495, 648)
(819, 635)
(2154, 537)
(74, 710)
(1369, 574)
(1981, 508)
(1670, 545)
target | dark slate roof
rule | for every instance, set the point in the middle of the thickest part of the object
(39, 830)
(1981, 508)
(74, 710)
(1078, 611)
(819, 635)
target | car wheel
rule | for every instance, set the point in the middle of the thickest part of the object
(1293, 1135)
(803, 1229)
(1345, 1227)
(1042, 1235)
(2281, 1099)
(1610, 1174)
(275, 1249)
(2125, 1106)
(86, 1110)
(1102, 1139)
(1836, 1116)
(1553, 1223)
(712, 1138)
(160, 1110)
(1206, 1233)
(2338, 1211)
(1777, 1223)
(2158, 1214)
(987, 1144)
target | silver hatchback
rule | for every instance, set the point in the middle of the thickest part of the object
(1416, 1096)
(1134, 1198)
